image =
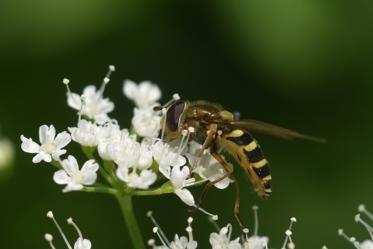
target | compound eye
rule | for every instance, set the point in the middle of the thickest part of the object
(174, 114)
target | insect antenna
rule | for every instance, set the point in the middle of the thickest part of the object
(175, 98)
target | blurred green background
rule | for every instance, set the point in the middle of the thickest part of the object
(302, 64)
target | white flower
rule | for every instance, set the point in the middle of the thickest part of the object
(124, 151)
(146, 122)
(183, 243)
(74, 177)
(51, 145)
(135, 180)
(85, 134)
(222, 240)
(258, 242)
(170, 166)
(165, 156)
(81, 243)
(179, 242)
(6, 153)
(208, 167)
(95, 106)
(145, 159)
(145, 94)
(108, 131)
(107, 135)
(180, 178)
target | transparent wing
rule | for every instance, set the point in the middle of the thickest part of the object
(273, 130)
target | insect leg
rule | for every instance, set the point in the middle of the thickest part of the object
(209, 185)
(211, 133)
(229, 171)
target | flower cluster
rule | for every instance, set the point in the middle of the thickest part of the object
(368, 243)
(81, 243)
(221, 239)
(132, 160)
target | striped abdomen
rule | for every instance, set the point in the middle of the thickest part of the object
(247, 152)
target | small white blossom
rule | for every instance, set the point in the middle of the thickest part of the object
(107, 135)
(6, 153)
(179, 242)
(222, 240)
(257, 242)
(124, 151)
(85, 134)
(145, 94)
(135, 180)
(145, 159)
(51, 146)
(146, 122)
(76, 178)
(94, 105)
(170, 164)
(165, 156)
(81, 243)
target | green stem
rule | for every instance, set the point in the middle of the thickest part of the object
(125, 202)
(101, 189)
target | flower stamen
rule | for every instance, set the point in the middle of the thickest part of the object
(352, 240)
(51, 216)
(106, 80)
(358, 219)
(49, 238)
(157, 230)
(70, 221)
(362, 209)
(288, 234)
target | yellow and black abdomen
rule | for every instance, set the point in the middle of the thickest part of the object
(247, 152)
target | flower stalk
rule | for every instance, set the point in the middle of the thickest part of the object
(126, 206)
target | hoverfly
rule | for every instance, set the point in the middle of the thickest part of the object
(217, 129)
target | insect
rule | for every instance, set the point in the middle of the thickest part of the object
(217, 129)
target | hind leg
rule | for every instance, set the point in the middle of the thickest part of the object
(229, 172)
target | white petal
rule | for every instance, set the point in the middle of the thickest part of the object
(47, 134)
(88, 171)
(185, 196)
(129, 89)
(72, 186)
(178, 176)
(74, 101)
(165, 170)
(42, 156)
(89, 92)
(122, 173)
(29, 146)
(150, 91)
(223, 183)
(70, 165)
(148, 178)
(62, 140)
(177, 160)
(60, 177)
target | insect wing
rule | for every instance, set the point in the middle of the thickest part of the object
(273, 130)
